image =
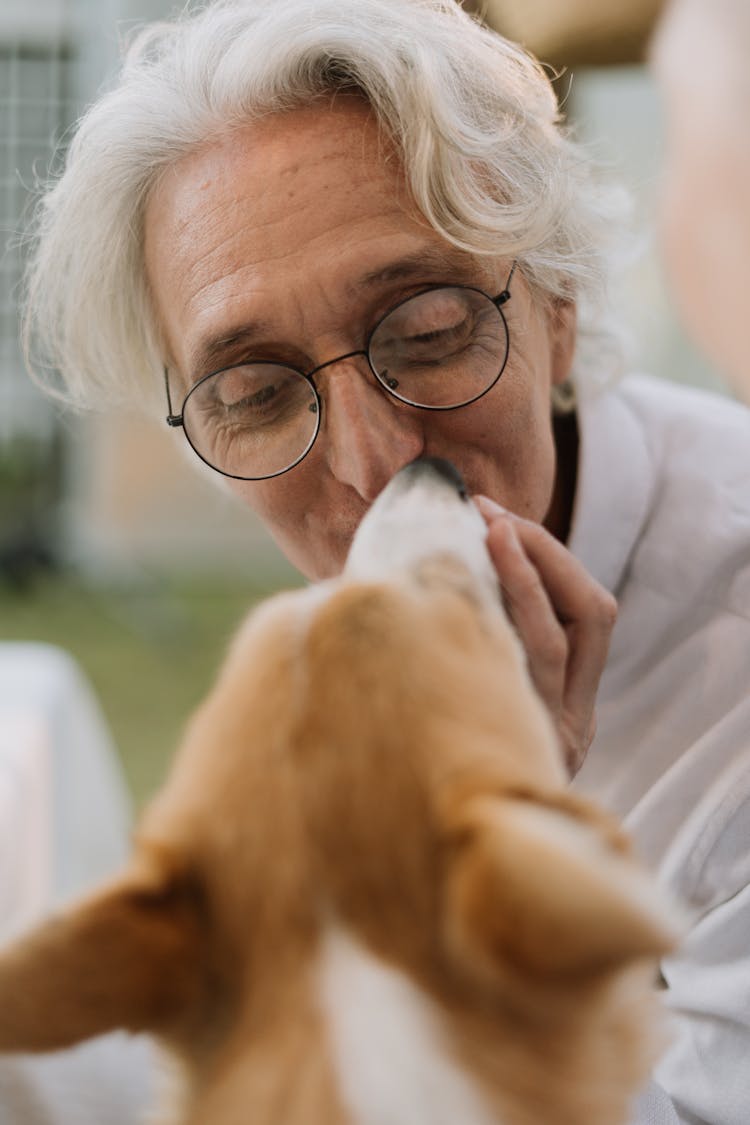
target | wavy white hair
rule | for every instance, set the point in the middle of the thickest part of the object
(473, 116)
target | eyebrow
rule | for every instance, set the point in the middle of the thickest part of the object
(426, 260)
(214, 351)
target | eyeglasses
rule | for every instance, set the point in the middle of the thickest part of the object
(440, 349)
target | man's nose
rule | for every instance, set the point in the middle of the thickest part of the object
(368, 435)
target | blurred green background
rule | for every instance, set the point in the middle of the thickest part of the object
(150, 651)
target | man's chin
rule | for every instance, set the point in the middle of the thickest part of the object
(317, 561)
(315, 548)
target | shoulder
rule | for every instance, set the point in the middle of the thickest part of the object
(695, 539)
(663, 492)
(670, 413)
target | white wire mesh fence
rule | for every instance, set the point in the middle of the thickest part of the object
(35, 109)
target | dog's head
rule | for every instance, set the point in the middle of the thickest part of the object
(372, 793)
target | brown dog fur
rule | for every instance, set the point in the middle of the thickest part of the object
(375, 758)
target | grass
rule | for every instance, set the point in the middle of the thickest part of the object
(150, 652)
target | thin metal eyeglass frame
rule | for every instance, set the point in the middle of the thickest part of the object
(177, 420)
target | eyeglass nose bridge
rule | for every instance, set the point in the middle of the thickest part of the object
(338, 359)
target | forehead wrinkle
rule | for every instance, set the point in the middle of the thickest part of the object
(204, 276)
(412, 264)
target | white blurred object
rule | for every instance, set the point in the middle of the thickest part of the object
(25, 820)
(59, 766)
(64, 826)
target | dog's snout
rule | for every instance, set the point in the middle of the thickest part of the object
(435, 468)
(425, 512)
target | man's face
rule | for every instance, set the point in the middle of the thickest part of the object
(287, 240)
(705, 219)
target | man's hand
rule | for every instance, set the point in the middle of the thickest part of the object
(563, 617)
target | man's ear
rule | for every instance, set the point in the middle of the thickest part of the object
(563, 334)
(128, 957)
(547, 890)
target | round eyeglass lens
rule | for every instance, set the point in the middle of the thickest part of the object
(252, 421)
(441, 349)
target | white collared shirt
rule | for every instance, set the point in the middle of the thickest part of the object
(662, 519)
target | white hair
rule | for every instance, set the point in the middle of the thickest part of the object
(473, 116)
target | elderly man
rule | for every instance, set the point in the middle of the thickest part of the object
(337, 237)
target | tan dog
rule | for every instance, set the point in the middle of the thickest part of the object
(364, 895)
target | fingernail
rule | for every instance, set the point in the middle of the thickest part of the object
(491, 507)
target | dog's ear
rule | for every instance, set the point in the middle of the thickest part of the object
(128, 957)
(549, 888)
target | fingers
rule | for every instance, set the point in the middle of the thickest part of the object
(529, 607)
(585, 609)
(564, 619)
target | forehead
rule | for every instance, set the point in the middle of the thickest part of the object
(236, 228)
(269, 165)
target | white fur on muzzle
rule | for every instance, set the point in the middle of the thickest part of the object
(424, 512)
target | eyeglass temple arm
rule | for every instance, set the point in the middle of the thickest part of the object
(505, 295)
(172, 419)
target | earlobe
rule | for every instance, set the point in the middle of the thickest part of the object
(563, 329)
(127, 957)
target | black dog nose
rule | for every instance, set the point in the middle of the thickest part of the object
(437, 468)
